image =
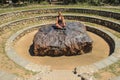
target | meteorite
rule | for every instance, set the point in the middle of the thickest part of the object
(72, 40)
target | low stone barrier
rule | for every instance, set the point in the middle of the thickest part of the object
(105, 36)
(109, 24)
(24, 22)
(111, 39)
(54, 10)
(11, 53)
(113, 42)
(112, 25)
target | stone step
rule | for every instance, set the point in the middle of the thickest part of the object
(7, 76)
(54, 14)
(117, 34)
(103, 8)
(61, 75)
(87, 15)
(67, 14)
(115, 78)
(57, 75)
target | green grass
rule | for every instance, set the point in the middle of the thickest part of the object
(14, 18)
(114, 69)
(117, 34)
(5, 35)
(97, 75)
(38, 6)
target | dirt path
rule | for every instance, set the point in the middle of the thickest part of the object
(99, 52)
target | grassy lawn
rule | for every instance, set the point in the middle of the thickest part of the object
(110, 71)
(37, 6)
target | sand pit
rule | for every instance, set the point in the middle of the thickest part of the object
(100, 51)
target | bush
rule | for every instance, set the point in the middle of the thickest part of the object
(44, 3)
(15, 1)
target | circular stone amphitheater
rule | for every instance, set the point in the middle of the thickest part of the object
(18, 28)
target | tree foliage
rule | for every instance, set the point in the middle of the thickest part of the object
(2, 1)
(92, 2)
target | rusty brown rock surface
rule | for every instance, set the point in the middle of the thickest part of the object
(73, 40)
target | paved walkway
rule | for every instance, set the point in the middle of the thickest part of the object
(7, 76)
(115, 78)
(61, 75)
(57, 75)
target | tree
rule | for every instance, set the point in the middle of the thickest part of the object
(74, 1)
(15, 1)
(111, 1)
(2, 1)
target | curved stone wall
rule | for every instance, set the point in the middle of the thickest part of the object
(109, 24)
(11, 53)
(54, 10)
(113, 25)
(105, 36)
(96, 12)
(24, 21)
(25, 63)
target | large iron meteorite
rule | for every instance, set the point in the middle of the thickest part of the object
(73, 40)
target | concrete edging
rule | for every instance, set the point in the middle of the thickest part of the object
(19, 60)
(113, 25)
(39, 68)
(105, 62)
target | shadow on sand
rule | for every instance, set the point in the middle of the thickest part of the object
(31, 50)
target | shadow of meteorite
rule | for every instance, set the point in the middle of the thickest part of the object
(31, 50)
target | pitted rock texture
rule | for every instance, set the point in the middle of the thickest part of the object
(72, 40)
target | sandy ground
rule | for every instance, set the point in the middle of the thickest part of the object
(99, 52)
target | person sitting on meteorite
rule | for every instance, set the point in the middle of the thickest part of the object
(60, 21)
